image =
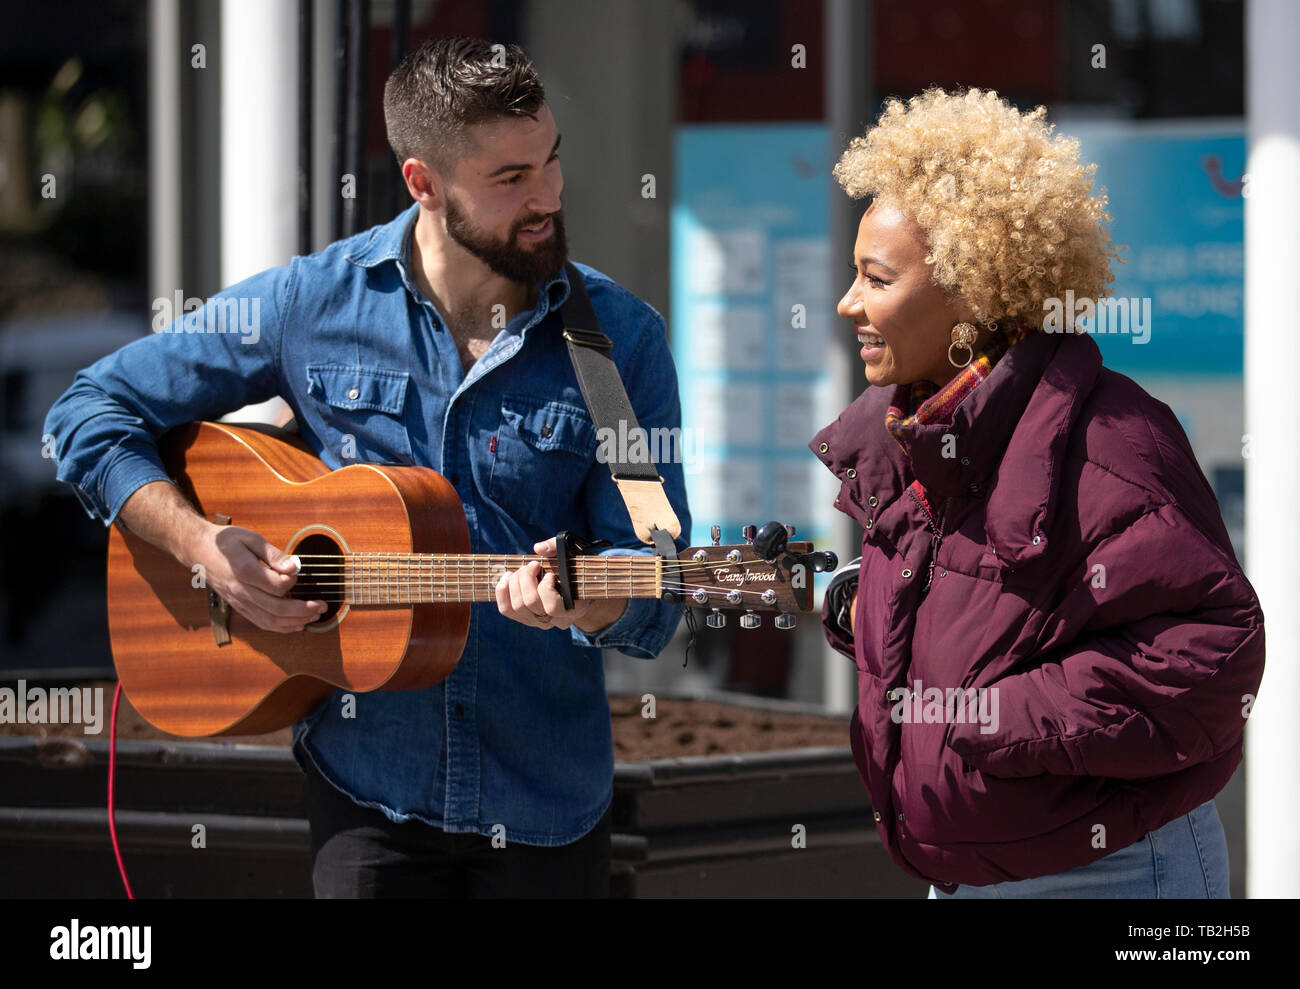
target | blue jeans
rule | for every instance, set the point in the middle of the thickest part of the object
(1186, 859)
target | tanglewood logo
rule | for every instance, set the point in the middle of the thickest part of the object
(729, 576)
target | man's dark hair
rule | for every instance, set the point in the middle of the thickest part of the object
(446, 86)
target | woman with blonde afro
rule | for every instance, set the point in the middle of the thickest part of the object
(1053, 637)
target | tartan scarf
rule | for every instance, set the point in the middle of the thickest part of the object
(928, 404)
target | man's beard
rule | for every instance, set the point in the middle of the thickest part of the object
(526, 265)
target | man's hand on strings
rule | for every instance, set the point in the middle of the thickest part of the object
(531, 597)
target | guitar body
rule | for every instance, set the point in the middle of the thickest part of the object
(161, 624)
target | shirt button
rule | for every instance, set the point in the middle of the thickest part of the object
(547, 430)
(900, 817)
(906, 574)
(851, 472)
(1037, 540)
(946, 883)
(877, 815)
(354, 393)
(823, 448)
(965, 461)
(460, 709)
(974, 489)
(873, 501)
(869, 523)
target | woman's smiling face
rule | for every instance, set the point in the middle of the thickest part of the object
(902, 318)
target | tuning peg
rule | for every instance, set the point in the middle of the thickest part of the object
(784, 621)
(748, 532)
(770, 542)
(716, 533)
(700, 595)
(749, 620)
(821, 562)
(716, 619)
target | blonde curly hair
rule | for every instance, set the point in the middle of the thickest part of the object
(1006, 207)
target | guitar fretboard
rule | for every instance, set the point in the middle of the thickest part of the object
(422, 578)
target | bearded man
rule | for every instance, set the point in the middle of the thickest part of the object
(436, 340)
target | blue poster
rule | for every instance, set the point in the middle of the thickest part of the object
(753, 301)
(1175, 192)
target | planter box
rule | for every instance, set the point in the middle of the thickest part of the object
(700, 826)
(724, 826)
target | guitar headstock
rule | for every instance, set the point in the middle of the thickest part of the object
(767, 572)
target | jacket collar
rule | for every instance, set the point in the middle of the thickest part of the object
(391, 242)
(1006, 441)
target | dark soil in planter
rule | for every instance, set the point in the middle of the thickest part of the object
(681, 727)
(701, 727)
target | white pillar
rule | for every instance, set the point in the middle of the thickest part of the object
(259, 144)
(165, 57)
(1273, 425)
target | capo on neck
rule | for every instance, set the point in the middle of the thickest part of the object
(567, 546)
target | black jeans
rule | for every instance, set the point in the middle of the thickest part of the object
(357, 852)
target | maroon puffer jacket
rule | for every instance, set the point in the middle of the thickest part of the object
(1084, 571)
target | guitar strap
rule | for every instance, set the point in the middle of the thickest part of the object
(637, 479)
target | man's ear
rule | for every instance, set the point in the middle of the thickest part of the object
(424, 184)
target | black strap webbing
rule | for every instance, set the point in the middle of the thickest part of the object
(602, 388)
(636, 477)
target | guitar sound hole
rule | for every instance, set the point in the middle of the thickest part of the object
(321, 576)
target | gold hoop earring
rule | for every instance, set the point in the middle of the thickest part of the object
(963, 335)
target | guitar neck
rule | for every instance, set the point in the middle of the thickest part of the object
(424, 578)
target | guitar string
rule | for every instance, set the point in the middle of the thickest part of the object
(323, 577)
(485, 559)
(395, 589)
(371, 575)
(417, 561)
(391, 597)
(647, 562)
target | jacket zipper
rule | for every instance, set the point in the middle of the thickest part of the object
(937, 529)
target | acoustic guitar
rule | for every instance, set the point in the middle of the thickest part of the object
(387, 549)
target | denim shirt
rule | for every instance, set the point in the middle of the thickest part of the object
(519, 734)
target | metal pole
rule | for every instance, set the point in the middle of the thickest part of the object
(305, 90)
(165, 242)
(337, 153)
(354, 213)
(396, 186)
(849, 105)
(1272, 194)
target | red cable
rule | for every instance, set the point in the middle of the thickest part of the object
(112, 762)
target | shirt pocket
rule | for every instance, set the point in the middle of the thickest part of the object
(544, 450)
(363, 407)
